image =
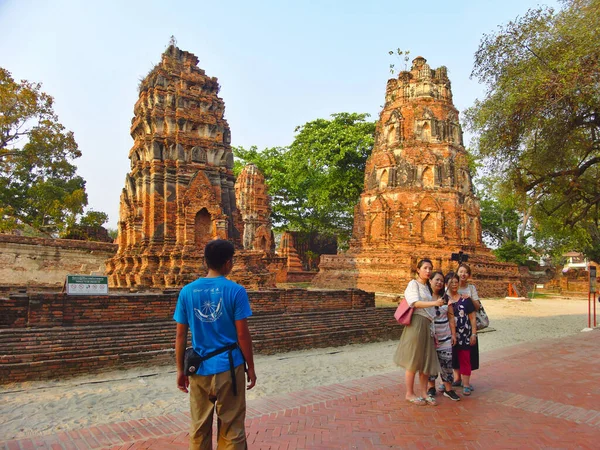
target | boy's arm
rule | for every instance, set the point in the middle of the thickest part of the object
(245, 343)
(180, 342)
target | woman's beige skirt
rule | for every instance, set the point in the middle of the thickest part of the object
(416, 350)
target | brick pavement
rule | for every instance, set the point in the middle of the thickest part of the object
(533, 395)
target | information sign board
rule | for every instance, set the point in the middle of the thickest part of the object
(593, 279)
(87, 285)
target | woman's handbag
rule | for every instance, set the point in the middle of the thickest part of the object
(403, 313)
(481, 318)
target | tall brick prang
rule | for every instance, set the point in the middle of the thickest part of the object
(418, 198)
(180, 191)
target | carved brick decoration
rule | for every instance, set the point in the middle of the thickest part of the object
(418, 198)
(180, 191)
(254, 205)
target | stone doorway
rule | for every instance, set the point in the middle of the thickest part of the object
(202, 228)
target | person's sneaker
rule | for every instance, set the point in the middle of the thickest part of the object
(457, 383)
(452, 395)
(431, 392)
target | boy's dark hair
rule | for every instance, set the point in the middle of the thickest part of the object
(217, 253)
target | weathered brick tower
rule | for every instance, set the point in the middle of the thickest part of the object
(418, 197)
(254, 205)
(180, 191)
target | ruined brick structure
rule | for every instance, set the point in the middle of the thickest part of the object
(301, 251)
(41, 263)
(254, 205)
(418, 198)
(180, 191)
(287, 249)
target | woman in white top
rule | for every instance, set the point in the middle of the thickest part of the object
(416, 350)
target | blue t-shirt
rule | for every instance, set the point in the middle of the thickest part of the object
(210, 307)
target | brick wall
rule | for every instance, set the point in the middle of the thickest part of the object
(56, 309)
(53, 336)
(28, 261)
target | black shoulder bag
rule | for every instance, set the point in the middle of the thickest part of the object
(192, 361)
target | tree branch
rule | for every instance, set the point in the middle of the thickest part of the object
(577, 172)
(573, 221)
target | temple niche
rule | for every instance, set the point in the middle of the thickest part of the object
(418, 198)
(180, 191)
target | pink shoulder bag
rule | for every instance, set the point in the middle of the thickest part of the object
(404, 312)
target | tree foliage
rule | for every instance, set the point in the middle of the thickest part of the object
(539, 123)
(512, 251)
(316, 181)
(39, 187)
(501, 219)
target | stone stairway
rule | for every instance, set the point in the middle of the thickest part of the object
(43, 353)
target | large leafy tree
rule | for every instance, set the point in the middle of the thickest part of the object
(39, 187)
(539, 122)
(506, 219)
(501, 219)
(316, 181)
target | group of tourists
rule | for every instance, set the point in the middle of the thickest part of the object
(442, 335)
(441, 339)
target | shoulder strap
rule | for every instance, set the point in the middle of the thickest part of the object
(219, 351)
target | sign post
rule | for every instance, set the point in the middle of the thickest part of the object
(87, 285)
(592, 290)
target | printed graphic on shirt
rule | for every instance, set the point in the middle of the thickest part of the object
(211, 304)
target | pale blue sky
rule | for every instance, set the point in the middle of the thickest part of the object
(279, 63)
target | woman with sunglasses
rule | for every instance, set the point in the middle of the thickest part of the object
(416, 350)
(445, 337)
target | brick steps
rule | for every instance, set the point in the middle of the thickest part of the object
(33, 353)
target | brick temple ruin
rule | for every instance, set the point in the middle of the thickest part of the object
(180, 192)
(418, 198)
(254, 205)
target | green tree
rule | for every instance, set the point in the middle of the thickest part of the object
(515, 252)
(316, 181)
(501, 220)
(93, 219)
(539, 122)
(39, 187)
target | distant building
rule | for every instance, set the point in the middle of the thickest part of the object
(575, 260)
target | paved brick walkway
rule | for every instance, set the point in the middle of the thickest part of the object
(538, 395)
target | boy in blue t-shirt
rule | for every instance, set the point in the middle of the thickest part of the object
(215, 310)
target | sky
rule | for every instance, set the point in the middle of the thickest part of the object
(280, 63)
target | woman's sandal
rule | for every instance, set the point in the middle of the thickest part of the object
(430, 400)
(467, 390)
(419, 401)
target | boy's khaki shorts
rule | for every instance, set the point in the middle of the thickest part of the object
(215, 392)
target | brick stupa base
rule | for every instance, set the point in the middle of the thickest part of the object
(390, 271)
